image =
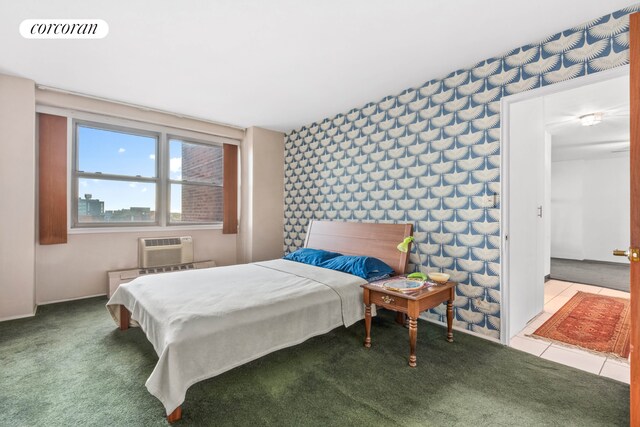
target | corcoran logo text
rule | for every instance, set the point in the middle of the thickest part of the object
(64, 29)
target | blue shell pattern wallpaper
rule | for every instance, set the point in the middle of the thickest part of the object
(431, 156)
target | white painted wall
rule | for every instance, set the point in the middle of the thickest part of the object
(606, 208)
(246, 201)
(68, 101)
(262, 180)
(17, 197)
(268, 194)
(567, 229)
(79, 268)
(31, 273)
(590, 208)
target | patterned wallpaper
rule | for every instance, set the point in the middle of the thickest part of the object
(431, 156)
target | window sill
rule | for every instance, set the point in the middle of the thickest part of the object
(144, 229)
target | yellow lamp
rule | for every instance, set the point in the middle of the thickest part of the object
(404, 248)
(404, 245)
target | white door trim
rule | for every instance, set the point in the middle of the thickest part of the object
(505, 103)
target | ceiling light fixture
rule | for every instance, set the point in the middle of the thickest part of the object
(591, 119)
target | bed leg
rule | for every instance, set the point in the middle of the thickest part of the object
(176, 415)
(125, 317)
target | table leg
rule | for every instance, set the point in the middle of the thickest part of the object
(176, 415)
(450, 320)
(367, 325)
(125, 317)
(413, 337)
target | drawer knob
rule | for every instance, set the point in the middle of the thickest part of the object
(387, 299)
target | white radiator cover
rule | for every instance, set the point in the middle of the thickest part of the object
(118, 277)
(164, 251)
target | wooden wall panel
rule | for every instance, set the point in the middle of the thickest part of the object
(52, 179)
(230, 215)
(352, 238)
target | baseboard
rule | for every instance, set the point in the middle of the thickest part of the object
(19, 316)
(595, 261)
(72, 299)
(466, 331)
(547, 278)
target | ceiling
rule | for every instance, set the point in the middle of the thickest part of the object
(278, 64)
(570, 140)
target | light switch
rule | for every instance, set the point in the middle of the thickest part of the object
(491, 200)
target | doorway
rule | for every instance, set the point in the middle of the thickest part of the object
(588, 187)
(532, 122)
(565, 200)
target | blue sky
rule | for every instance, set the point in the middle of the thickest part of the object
(118, 153)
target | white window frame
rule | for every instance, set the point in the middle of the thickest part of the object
(168, 181)
(76, 175)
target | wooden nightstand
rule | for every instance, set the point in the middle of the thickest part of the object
(411, 304)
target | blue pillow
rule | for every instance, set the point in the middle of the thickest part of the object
(367, 267)
(311, 256)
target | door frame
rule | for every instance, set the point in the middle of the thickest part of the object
(634, 235)
(505, 104)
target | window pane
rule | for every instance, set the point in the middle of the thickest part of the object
(103, 200)
(196, 203)
(195, 162)
(117, 153)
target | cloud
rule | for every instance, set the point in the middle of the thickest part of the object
(133, 185)
(152, 156)
(121, 150)
(175, 164)
(143, 190)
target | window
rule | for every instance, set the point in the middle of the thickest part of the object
(124, 176)
(195, 177)
(116, 176)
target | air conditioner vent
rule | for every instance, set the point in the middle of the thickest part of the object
(169, 251)
(162, 242)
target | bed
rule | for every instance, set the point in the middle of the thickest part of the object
(202, 323)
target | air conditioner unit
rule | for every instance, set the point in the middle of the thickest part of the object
(164, 251)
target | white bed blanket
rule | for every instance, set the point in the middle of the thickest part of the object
(205, 322)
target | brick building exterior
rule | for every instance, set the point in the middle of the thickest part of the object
(202, 163)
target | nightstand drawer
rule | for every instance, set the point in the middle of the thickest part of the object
(388, 301)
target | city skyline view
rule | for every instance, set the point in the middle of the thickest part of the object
(118, 153)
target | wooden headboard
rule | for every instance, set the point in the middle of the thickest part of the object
(355, 238)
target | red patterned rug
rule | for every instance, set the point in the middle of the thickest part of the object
(595, 322)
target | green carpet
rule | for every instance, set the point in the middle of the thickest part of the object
(70, 366)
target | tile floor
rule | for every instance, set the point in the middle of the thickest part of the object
(556, 294)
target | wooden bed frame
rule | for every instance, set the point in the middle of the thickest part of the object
(348, 238)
